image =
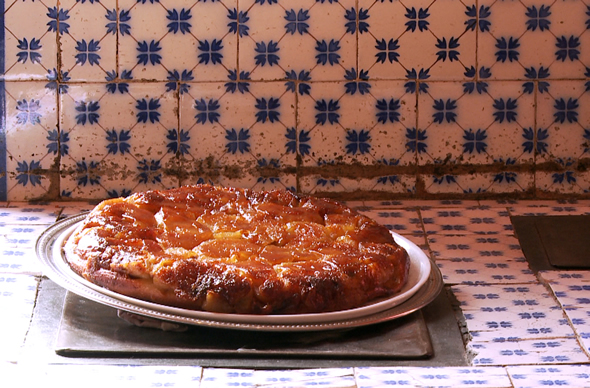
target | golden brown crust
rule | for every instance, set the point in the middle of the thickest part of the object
(237, 251)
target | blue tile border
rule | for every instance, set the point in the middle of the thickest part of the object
(3, 171)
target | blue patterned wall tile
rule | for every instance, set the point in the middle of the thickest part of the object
(538, 40)
(245, 124)
(333, 28)
(494, 135)
(506, 182)
(379, 40)
(270, 181)
(565, 51)
(393, 31)
(164, 40)
(318, 184)
(105, 131)
(31, 114)
(509, 181)
(562, 133)
(454, 50)
(88, 49)
(366, 115)
(569, 180)
(275, 38)
(30, 48)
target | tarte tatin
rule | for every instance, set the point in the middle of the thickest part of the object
(230, 250)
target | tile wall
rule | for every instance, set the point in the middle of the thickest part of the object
(349, 98)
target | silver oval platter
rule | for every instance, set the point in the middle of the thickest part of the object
(424, 284)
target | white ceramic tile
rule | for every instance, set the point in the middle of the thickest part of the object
(547, 209)
(17, 300)
(30, 49)
(559, 114)
(330, 377)
(31, 114)
(25, 213)
(525, 376)
(115, 375)
(494, 249)
(541, 352)
(499, 325)
(467, 221)
(398, 221)
(526, 297)
(570, 288)
(460, 377)
(469, 271)
(88, 51)
(117, 159)
(17, 252)
(580, 319)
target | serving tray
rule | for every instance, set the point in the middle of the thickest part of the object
(424, 284)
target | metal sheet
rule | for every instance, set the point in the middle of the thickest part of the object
(91, 329)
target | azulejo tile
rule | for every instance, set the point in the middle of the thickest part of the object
(494, 135)
(467, 221)
(562, 121)
(30, 48)
(249, 126)
(176, 40)
(117, 161)
(31, 113)
(88, 40)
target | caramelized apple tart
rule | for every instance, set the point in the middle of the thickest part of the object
(230, 250)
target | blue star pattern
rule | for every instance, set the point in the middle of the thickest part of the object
(194, 75)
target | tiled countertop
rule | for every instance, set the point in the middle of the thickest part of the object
(524, 330)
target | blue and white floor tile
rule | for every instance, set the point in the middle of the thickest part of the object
(399, 221)
(476, 271)
(571, 288)
(528, 352)
(525, 376)
(23, 213)
(115, 376)
(499, 325)
(547, 209)
(519, 297)
(456, 377)
(481, 248)
(467, 221)
(330, 377)
(17, 248)
(580, 319)
(17, 300)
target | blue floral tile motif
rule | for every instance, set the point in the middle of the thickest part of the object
(526, 79)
